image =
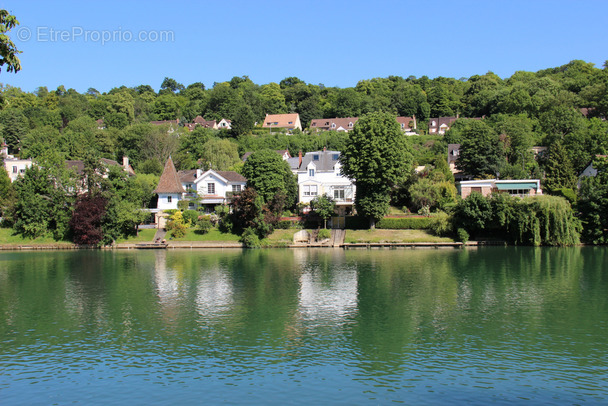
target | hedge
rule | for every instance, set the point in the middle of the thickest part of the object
(412, 223)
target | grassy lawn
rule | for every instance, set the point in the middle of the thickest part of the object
(280, 237)
(371, 236)
(146, 235)
(213, 235)
(8, 238)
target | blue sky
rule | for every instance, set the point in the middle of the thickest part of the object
(107, 44)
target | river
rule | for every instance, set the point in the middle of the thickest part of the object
(498, 325)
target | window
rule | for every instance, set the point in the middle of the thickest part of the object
(236, 188)
(315, 157)
(310, 190)
(14, 169)
(169, 199)
(333, 125)
(314, 124)
(339, 194)
(350, 125)
(290, 122)
(211, 188)
(335, 157)
(311, 173)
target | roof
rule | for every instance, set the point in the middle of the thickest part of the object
(439, 121)
(280, 152)
(325, 161)
(190, 176)
(169, 181)
(346, 123)
(453, 152)
(281, 120)
(231, 176)
(405, 121)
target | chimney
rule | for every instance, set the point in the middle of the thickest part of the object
(415, 125)
(299, 158)
(324, 149)
(125, 162)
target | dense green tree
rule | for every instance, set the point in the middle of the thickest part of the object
(13, 126)
(481, 151)
(559, 172)
(324, 207)
(220, 155)
(268, 174)
(8, 50)
(377, 157)
(593, 204)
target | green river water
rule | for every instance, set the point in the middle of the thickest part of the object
(501, 325)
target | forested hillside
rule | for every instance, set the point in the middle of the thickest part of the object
(562, 105)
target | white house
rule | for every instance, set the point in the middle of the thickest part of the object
(212, 187)
(169, 189)
(320, 173)
(14, 166)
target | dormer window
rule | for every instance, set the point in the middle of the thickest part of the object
(314, 124)
(350, 125)
(433, 123)
(311, 173)
(333, 125)
(290, 122)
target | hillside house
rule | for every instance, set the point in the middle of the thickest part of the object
(519, 187)
(286, 121)
(319, 173)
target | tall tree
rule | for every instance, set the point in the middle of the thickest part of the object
(481, 151)
(268, 174)
(377, 157)
(8, 50)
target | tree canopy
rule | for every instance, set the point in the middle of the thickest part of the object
(376, 158)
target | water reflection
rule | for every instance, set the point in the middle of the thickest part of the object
(379, 325)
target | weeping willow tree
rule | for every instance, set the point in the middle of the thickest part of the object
(545, 220)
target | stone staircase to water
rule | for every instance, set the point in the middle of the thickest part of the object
(160, 235)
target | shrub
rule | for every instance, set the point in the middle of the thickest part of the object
(440, 224)
(170, 211)
(284, 224)
(323, 234)
(567, 193)
(404, 223)
(250, 238)
(462, 235)
(190, 216)
(203, 226)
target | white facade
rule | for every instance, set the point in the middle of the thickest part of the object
(16, 167)
(168, 201)
(320, 174)
(213, 187)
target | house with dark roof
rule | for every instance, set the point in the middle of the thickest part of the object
(198, 187)
(439, 125)
(210, 188)
(345, 124)
(286, 121)
(319, 174)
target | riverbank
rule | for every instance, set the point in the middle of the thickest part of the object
(344, 239)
